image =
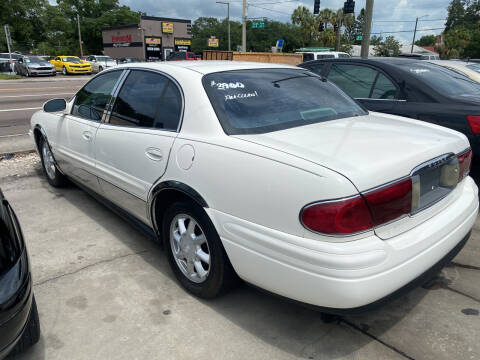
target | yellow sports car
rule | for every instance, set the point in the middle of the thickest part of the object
(71, 65)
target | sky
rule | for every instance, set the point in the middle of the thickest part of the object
(386, 13)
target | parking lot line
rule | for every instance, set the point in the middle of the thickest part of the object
(33, 108)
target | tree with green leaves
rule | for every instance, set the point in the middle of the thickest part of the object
(427, 40)
(302, 17)
(390, 47)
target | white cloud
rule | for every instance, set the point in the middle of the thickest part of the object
(389, 10)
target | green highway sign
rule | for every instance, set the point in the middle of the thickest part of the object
(359, 37)
(258, 24)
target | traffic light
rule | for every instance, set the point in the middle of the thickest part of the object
(349, 7)
(321, 27)
(335, 27)
(316, 7)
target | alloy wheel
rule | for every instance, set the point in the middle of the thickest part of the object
(48, 162)
(190, 248)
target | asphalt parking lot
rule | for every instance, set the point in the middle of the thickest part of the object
(105, 291)
(19, 99)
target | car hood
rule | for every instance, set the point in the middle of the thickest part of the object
(370, 150)
(40, 64)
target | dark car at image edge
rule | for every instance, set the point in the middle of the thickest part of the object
(411, 88)
(19, 322)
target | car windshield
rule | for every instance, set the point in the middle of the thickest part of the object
(33, 60)
(265, 100)
(71, 59)
(104, 58)
(444, 80)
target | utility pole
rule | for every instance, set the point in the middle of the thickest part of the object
(79, 35)
(9, 40)
(228, 21)
(367, 30)
(244, 26)
(415, 31)
(414, 35)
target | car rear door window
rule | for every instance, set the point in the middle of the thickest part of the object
(355, 80)
(383, 88)
(91, 100)
(148, 100)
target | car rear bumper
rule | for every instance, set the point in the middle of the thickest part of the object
(342, 277)
(15, 312)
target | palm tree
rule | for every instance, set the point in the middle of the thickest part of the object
(341, 19)
(303, 17)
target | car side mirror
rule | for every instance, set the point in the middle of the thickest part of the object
(55, 105)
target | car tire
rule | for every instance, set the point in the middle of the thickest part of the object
(100, 69)
(221, 276)
(64, 71)
(27, 74)
(53, 175)
(31, 334)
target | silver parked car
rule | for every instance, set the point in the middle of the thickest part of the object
(100, 62)
(34, 66)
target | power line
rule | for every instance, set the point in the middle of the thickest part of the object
(280, 12)
(412, 21)
(405, 31)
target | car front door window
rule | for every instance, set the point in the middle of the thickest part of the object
(91, 100)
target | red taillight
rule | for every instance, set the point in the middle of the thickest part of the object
(341, 217)
(390, 202)
(359, 213)
(474, 122)
(465, 163)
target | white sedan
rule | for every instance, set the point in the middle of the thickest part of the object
(268, 173)
(100, 62)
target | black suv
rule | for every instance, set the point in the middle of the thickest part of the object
(19, 324)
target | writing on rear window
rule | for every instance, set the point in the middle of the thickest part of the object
(226, 86)
(241, 96)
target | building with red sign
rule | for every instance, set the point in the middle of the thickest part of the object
(150, 40)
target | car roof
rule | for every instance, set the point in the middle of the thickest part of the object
(211, 66)
(372, 60)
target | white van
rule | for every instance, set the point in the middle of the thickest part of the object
(317, 55)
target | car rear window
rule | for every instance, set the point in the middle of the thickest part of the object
(258, 101)
(444, 80)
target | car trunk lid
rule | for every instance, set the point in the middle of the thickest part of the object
(369, 150)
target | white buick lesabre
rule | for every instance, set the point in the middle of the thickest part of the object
(269, 173)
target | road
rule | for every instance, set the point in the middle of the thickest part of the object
(20, 99)
(105, 291)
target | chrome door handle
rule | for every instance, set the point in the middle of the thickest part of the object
(87, 135)
(154, 154)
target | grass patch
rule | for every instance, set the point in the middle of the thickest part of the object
(9, 77)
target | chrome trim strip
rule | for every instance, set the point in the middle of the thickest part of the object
(370, 99)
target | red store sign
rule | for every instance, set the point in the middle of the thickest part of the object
(122, 38)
